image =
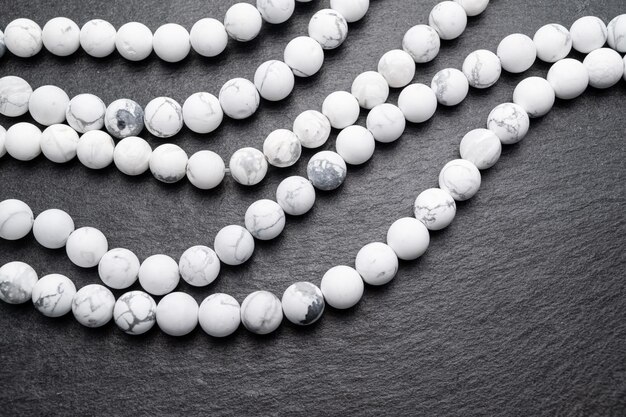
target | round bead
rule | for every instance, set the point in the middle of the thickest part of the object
(234, 245)
(303, 303)
(53, 294)
(377, 263)
(326, 170)
(616, 33)
(92, 305)
(199, 266)
(47, 105)
(248, 166)
(460, 178)
(132, 155)
(59, 143)
(134, 41)
(23, 38)
(397, 67)
(274, 80)
(342, 287)
(282, 148)
(265, 219)
(158, 274)
(202, 112)
(168, 163)
(177, 314)
(61, 36)
(239, 98)
(135, 312)
(418, 103)
(219, 315)
(123, 118)
(517, 53)
(205, 170)
(118, 268)
(605, 68)
(328, 28)
(450, 86)
(312, 128)
(163, 117)
(208, 37)
(243, 22)
(355, 144)
(52, 228)
(448, 19)
(569, 78)
(296, 195)
(171, 42)
(588, 33)
(16, 219)
(481, 147)
(14, 95)
(261, 312)
(351, 10)
(97, 38)
(509, 122)
(341, 108)
(370, 89)
(535, 96)
(435, 208)
(553, 42)
(408, 237)
(23, 141)
(386, 122)
(86, 246)
(422, 43)
(85, 112)
(275, 11)
(95, 149)
(304, 56)
(482, 68)
(17, 280)
(473, 7)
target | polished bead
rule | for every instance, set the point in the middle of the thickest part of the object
(61, 36)
(205, 170)
(397, 67)
(171, 42)
(23, 141)
(553, 42)
(261, 312)
(616, 33)
(158, 274)
(417, 102)
(219, 315)
(239, 98)
(177, 314)
(265, 219)
(16, 219)
(304, 55)
(132, 155)
(342, 287)
(123, 118)
(85, 112)
(460, 178)
(535, 95)
(52, 295)
(168, 163)
(92, 305)
(47, 105)
(248, 166)
(59, 143)
(95, 149)
(435, 208)
(303, 303)
(119, 268)
(163, 117)
(208, 37)
(377, 263)
(370, 89)
(448, 19)
(517, 53)
(481, 147)
(473, 7)
(605, 68)
(274, 80)
(355, 144)
(134, 41)
(450, 86)
(97, 38)
(328, 28)
(23, 38)
(202, 112)
(296, 195)
(408, 237)
(386, 122)
(509, 122)
(422, 43)
(199, 266)
(234, 245)
(312, 128)
(243, 22)
(276, 11)
(17, 280)
(482, 68)
(14, 95)
(326, 170)
(588, 33)
(135, 312)
(351, 10)
(569, 78)
(341, 108)
(282, 148)
(86, 246)
(52, 228)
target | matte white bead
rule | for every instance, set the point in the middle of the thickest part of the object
(52, 228)
(205, 170)
(14, 95)
(135, 312)
(23, 141)
(132, 155)
(473, 7)
(417, 102)
(243, 22)
(370, 89)
(16, 219)
(408, 237)
(3, 138)
(397, 67)
(208, 37)
(296, 195)
(422, 43)
(377, 263)
(274, 80)
(123, 118)
(163, 117)
(569, 78)
(234, 245)
(342, 287)
(239, 98)
(328, 28)
(448, 19)
(304, 55)
(168, 163)
(553, 42)
(605, 68)
(386, 122)
(53, 294)
(355, 144)
(276, 11)
(588, 33)
(303, 303)
(199, 266)
(265, 219)
(97, 38)
(59, 143)
(202, 112)
(47, 105)
(535, 96)
(248, 166)
(177, 314)
(17, 280)
(351, 10)
(158, 274)
(326, 170)
(219, 315)
(282, 148)
(61, 36)
(460, 178)
(450, 86)
(341, 108)
(134, 41)
(509, 122)
(95, 149)
(517, 53)
(616, 33)
(23, 38)
(86, 246)
(171, 42)
(119, 268)
(481, 147)
(85, 112)
(92, 305)
(312, 128)
(435, 208)
(261, 312)
(482, 68)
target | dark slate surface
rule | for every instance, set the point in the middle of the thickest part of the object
(517, 309)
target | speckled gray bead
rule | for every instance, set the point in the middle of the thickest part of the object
(303, 303)
(17, 280)
(14, 95)
(135, 312)
(326, 170)
(248, 166)
(163, 117)
(123, 118)
(261, 312)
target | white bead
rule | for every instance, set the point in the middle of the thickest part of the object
(248, 166)
(448, 19)
(312, 128)
(85, 112)
(16, 219)
(450, 86)
(397, 67)
(261, 312)
(481, 147)
(328, 28)
(239, 98)
(303, 303)
(177, 314)
(158, 274)
(52, 228)
(517, 53)
(134, 41)
(208, 37)
(553, 42)
(274, 80)
(23, 141)
(435, 208)
(282, 148)
(473, 7)
(509, 122)
(61, 36)
(3, 138)
(616, 31)
(86, 246)
(123, 118)
(276, 11)
(460, 178)
(386, 122)
(168, 163)
(171, 42)
(351, 10)
(605, 68)
(342, 287)
(304, 55)
(534, 95)
(422, 43)
(135, 312)
(202, 112)
(234, 245)
(59, 143)
(296, 195)
(482, 68)
(119, 268)
(47, 105)
(53, 294)
(97, 38)
(355, 144)
(95, 149)
(265, 219)
(569, 78)
(219, 315)
(417, 102)
(92, 305)
(243, 22)
(588, 33)
(370, 89)
(132, 155)
(205, 170)
(341, 108)
(17, 280)
(408, 237)
(377, 263)
(163, 117)
(199, 266)
(326, 170)
(14, 95)
(23, 38)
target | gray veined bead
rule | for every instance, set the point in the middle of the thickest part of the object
(326, 170)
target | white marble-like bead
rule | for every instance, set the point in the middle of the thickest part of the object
(163, 117)
(92, 305)
(509, 122)
(205, 170)
(158, 274)
(171, 42)
(276, 11)
(304, 55)
(616, 33)
(450, 86)
(482, 68)
(265, 219)
(52, 295)
(351, 10)
(202, 112)
(208, 37)
(17, 280)
(274, 80)
(296, 195)
(119, 268)
(377, 263)
(233, 244)
(370, 89)
(341, 108)
(422, 43)
(239, 98)
(59, 143)
(95, 149)
(417, 102)
(312, 128)
(219, 315)
(16, 219)
(517, 53)
(553, 42)
(535, 95)
(199, 266)
(168, 163)
(386, 122)
(326, 170)
(61, 36)
(355, 144)
(243, 22)
(605, 68)
(448, 19)
(328, 28)
(97, 38)
(23, 141)
(435, 208)
(132, 155)
(3, 138)
(85, 112)
(23, 38)
(14, 96)
(52, 228)
(123, 118)
(248, 166)
(303, 303)
(47, 105)
(261, 312)
(569, 78)
(177, 314)
(342, 287)
(282, 148)
(481, 147)
(460, 178)
(408, 237)
(473, 7)
(135, 312)
(134, 41)
(86, 246)
(398, 68)
(588, 33)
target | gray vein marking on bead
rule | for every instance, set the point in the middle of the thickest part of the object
(602, 27)
(441, 83)
(11, 90)
(59, 145)
(387, 119)
(165, 102)
(134, 320)
(325, 174)
(565, 33)
(13, 215)
(291, 197)
(268, 71)
(452, 185)
(268, 317)
(432, 211)
(28, 27)
(340, 30)
(237, 244)
(511, 122)
(82, 123)
(435, 23)
(256, 219)
(43, 302)
(618, 37)
(475, 73)
(431, 41)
